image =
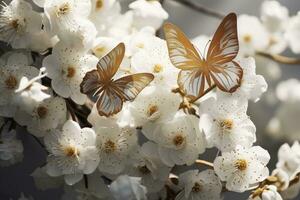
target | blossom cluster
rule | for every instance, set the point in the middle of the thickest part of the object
(133, 154)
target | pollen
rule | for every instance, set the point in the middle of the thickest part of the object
(63, 9)
(178, 140)
(15, 24)
(144, 169)
(99, 4)
(42, 111)
(226, 124)
(151, 110)
(109, 146)
(197, 187)
(247, 38)
(99, 51)
(11, 82)
(71, 72)
(71, 151)
(140, 45)
(157, 68)
(241, 164)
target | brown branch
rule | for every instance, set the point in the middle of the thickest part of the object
(204, 162)
(280, 58)
(200, 8)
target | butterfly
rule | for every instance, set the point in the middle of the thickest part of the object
(112, 93)
(199, 75)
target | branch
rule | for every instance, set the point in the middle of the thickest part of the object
(280, 58)
(200, 8)
(204, 162)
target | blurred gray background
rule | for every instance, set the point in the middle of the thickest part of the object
(17, 179)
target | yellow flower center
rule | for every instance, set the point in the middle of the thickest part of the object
(157, 68)
(109, 146)
(178, 140)
(11, 82)
(71, 151)
(71, 72)
(151, 110)
(247, 38)
(63, 9)
(241, 164)
(140, 45)
(226, 124)
(197, 187)
(42, 111)
(99, 4)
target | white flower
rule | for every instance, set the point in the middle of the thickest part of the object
(274, 15)
(114, 147)
(143, 39)
(155, 59)
(93, 189)
(43, 181)
(149, 167)
(288, 90)
(154, 104)
(292, 33)
(30, 92)
(294, 188)
(18, 22)
(199, 185)
(268, 192)
(12, 70)
(72, 152)
(252, 85)
(148, 13)
(104, 13)
(268, 68)
(11, 149)
(66, 67)
(43, 116)
(62, 14)
(225, 123)
(242, 168)
(283, 126)
(179, 140)
(289, 158)
(252, 35)
(126, 187)
(282, 178)
(103, 45)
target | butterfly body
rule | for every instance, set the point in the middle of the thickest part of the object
(199, 74)
(112, 92)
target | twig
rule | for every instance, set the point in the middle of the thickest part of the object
(71, 111)
(280, 58)
(86, 181)
(200, 8)
(204, 162)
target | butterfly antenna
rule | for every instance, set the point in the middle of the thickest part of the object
(206, 46)
(199, 52)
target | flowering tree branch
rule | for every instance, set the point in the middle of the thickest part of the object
(204, 162)
(200, 8)
(280, 58)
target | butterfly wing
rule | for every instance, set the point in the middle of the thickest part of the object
(224, 47)
(182, 53)
(109, 103)
(128, 87)
(106, 68)
(194, 83)
(124, 89)
(110, 63)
